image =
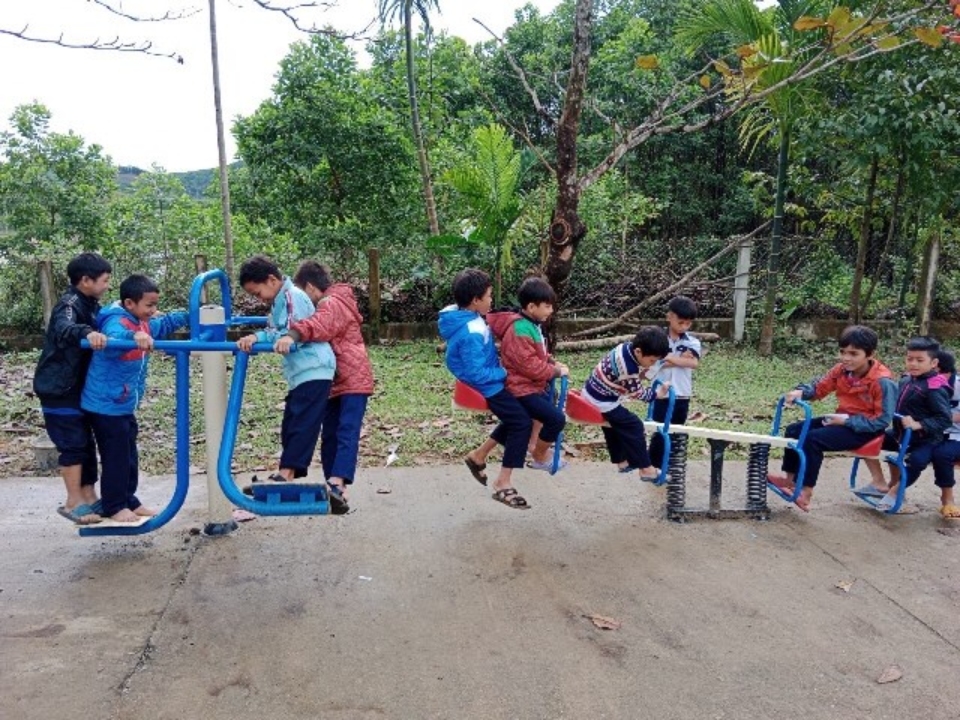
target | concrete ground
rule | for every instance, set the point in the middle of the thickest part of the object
(432, 601)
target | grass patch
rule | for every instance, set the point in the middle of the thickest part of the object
(733, 387)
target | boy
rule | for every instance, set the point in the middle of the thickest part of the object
(618, 376)
(116, 384)
(923, 406)
(472, 358)
(523, 352)
(947, 453)
(678, 369)
(337, 321)
(58, 382)
(866, 397)
(308, 372)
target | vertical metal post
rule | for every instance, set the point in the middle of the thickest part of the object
(213, 327)
(717, 448)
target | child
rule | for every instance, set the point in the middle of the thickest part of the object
(866, 397)
(116, 384)
(923, 406)
(619, 375)
(308, 372)
(472, 358)
(337, 321)
(678, 369)
(58, 382)
(947, 453)
(529, 367)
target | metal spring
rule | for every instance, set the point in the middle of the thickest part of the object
(677, 472)
(757, 465)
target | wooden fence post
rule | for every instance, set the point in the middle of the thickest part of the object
(48, 292)
(741, 290)
(373, 256)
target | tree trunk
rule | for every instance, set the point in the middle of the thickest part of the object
(221, 145)
(428, 199)
(776, 238)
(566, 228)
(48, 291)
(891, 234)
(928, 277)
(865, 231)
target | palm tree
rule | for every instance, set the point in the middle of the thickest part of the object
(388, 10)
(768, 45)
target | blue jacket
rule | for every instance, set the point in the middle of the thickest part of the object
(117, 379)
(311, 361)
(471, 353)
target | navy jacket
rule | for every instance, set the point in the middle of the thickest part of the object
(927, 400)
(62, 368)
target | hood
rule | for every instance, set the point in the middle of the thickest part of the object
(877, 371)
(500, 321)
(114, 309)
(344, 293)
(452, 319)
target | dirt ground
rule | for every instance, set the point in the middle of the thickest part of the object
(432, 601)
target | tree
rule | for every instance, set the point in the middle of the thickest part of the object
(388, 10)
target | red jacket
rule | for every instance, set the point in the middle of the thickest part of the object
(855, 396)
(337, 321)
(523, 353)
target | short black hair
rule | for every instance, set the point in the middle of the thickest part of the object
(469, 285)
(860, 337)
(683, 307)
(651, 340)
(925, 343)
(88, 264)
(310, 271)
(535, 290)
(257, 269)
(136, 286)
(947, 362)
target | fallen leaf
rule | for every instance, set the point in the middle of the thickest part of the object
(384, 491)
(242, 515)
(891, 674)
(845, 585)
(696, 417)
(604, 623)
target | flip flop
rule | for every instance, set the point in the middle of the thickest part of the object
(338, 503)
(476, 469)
(869, 491)
(80, 515)
(511, 498)
(628, 469)
(950, 512)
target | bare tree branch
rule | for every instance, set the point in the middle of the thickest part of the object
(522, 133)
(290, 12)
(179, 15)
(145, 47)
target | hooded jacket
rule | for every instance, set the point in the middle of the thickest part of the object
(337, 321)
(471, 353)
(927, 400)
(523, 352)
(870, 401)
(58, 379)
(117, 379)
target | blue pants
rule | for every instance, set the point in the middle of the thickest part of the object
(681, 408)
(539, 407)
(340, 437)
(303, 414)
(120, 472)
(625, 438)
(513, 432)
(820, 439)
(944, 456)
(917, 457)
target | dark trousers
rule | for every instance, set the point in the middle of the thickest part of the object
(72, 435)
(681, 408)
(340, 437)
(513, 432)
(820, 439)
(944, 456)
(303, 415)
(625, 438)
(539, 407)
(917, 457)
(120, 463)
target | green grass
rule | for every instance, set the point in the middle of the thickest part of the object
(411, 408)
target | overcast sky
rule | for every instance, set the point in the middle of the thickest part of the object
(149, 110)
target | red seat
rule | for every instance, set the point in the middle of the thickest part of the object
(870, 449)
(581, 411)
(466, 398)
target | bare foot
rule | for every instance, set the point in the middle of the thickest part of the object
(144, 511)
(125, 516)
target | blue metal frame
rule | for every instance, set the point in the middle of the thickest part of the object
(561, 402)
(664, 430)
(797, 446)
(899, 460)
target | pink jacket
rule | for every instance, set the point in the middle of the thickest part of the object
(337, 321)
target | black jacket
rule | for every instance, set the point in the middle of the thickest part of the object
(927, 400)
(62, 368)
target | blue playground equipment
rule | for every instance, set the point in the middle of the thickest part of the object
(273, 499)
(797, 447)
(873, 449)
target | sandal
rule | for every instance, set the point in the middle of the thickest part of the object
(338, 503)
(950, 512)
(511, 498)
(476, 469)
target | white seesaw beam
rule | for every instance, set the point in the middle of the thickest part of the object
(728, 435)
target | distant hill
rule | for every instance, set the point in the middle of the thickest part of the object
(195, 182)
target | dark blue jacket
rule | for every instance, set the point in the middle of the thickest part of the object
(58, 379)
